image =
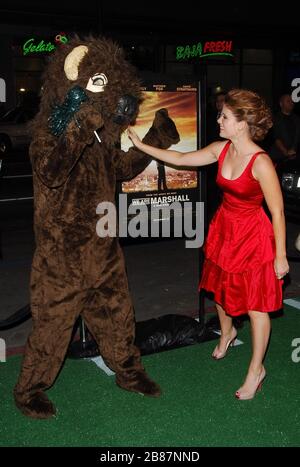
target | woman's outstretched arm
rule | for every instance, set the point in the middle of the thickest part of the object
(205, 156)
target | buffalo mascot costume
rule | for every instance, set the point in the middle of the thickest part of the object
(90, 95)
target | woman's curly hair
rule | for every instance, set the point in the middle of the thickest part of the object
(249, 106)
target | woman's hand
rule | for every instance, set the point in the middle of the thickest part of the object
(133, 136)
(281, 267)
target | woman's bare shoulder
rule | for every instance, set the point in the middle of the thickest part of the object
(263, 159)
(217, 147)
(263, 164)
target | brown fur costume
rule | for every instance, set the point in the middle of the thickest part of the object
(74, 271)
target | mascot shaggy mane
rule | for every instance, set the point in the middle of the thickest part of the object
(120, 73)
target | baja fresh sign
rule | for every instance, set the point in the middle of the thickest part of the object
(207, 49)
(33, 46)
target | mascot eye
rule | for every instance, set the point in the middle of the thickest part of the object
(99, 80)
(97, 83)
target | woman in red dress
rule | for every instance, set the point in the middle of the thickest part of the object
(245, 254)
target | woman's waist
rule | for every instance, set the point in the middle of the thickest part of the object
(240, 207)
(241, 224)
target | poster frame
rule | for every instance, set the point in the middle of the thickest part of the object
(198, 194)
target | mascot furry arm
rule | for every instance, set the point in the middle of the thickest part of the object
(49, 150)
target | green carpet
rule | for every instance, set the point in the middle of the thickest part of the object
(197, 408)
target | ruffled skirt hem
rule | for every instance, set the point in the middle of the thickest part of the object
(257, 289)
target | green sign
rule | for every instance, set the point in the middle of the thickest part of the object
(209, 48)
(30, 46)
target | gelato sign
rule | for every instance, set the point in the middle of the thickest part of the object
(207, 49)
(33, 46)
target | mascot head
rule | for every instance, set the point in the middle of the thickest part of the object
(98, 66)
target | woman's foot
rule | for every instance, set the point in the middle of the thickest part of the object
(252, 385)
(225, 341)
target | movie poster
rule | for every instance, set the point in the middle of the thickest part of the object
(159, 184)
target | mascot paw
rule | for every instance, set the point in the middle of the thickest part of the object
(38, 406)
(63, 114)
(140, 383)
(163, 132)
(86, 120)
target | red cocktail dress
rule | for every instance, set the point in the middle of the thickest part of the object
(240, 248)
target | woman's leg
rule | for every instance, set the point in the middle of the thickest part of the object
(228, 333)
(260, 329)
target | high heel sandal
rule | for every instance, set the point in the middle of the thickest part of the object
(230, 343)
(250, 395)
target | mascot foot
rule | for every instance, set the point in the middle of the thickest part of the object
(140, 383)
(38, 406)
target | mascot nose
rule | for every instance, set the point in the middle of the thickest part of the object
(126, 109)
